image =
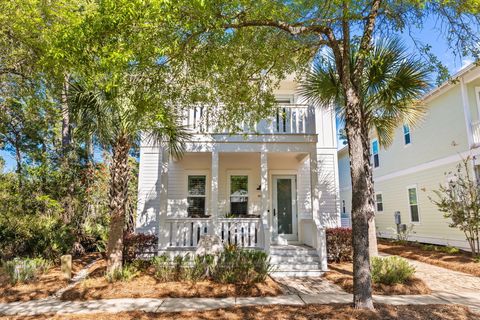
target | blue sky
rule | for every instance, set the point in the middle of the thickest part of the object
(428, 35)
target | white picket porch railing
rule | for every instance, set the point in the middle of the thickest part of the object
(243, 232)
(186, 232)
(287, 119)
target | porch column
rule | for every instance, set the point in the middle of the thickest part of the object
(264, 205)
(318, 220)
(163, 234)
(214, 195)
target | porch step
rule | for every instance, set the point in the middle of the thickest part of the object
(295, 261)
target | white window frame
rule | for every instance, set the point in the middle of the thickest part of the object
(205, 173)
(413, 186)
(376, 206)
(409, 133)
(244, 172)
(373, 154)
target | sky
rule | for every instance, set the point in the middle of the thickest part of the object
(428, 35)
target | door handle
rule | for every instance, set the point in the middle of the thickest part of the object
(274, 213)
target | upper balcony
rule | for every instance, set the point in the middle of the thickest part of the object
(287, 119)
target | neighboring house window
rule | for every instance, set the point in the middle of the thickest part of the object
(196, 195)
(406, 134)
(376, 160)
(379, 202)
(413, 203)
(344, 209)
(238, 194)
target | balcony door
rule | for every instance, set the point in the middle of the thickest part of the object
(284, 207)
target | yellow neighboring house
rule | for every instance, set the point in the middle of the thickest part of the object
(415, 164)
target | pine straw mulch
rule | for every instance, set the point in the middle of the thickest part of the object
(147, 286)
(42, 287)
(285, 312)
(342, 275)
(461, 261)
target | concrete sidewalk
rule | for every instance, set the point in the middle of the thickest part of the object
(52, 305)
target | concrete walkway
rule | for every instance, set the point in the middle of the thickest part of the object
(55, 306)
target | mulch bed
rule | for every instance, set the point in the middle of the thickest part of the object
(147, 286)
(461, 261)
(331, 311)
(42, 287)
(342, 275)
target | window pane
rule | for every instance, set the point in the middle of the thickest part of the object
(196, 206)
(412, 196)
(238, 185)
(375, 147)
(407, 138)
(379, 202)
(406, 129)
(414, 213)
(196, 185)
(376, 161)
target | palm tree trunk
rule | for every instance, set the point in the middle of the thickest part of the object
(362, 200)
(119, 175)
(66, 139)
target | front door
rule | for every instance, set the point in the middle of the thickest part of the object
(284, 208)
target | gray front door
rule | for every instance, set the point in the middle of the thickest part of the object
(284, 208)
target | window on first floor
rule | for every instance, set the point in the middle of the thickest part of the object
(406, 134)
(344, 209)
(376, 160)
(413, 203)
(379, 202)
(239, 194)
(196, 195)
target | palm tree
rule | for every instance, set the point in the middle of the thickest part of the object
(392, 83)
(117, 117)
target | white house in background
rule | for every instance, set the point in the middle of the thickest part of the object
(415, 164)
(272, 188)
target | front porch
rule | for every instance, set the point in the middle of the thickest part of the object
(249, 199)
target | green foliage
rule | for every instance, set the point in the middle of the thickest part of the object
(459, 200)
(446, 249)
(391, 270)
(24, 270)
(402, 235)
(125, 274)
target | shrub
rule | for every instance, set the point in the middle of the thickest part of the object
(24, 270)
(202, 267)
(339, 244)
(137, 244)
(391, 270)
(239, 266)
(162, 265)
(127, 273)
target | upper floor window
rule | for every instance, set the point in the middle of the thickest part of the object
(376, 160)
(239, 194)
(413, 203)
(406, 134)
(196, 195)
(379, 202)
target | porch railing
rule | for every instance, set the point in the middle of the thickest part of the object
(287, 119)
(186, 232)
(243, 232)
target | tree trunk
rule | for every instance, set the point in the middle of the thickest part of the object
(66, 139)
(119, 175)
(362, 200)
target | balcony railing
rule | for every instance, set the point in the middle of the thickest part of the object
(287, 119)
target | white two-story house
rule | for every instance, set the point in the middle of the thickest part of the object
(273, 187)
(420, 159)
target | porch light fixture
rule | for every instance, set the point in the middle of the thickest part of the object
(259, 187)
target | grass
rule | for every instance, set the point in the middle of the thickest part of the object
(341, 274)
(146, 285)
(445, 257)
(282, 312)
